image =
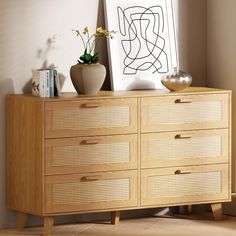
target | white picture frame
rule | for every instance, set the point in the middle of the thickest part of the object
(144, 48)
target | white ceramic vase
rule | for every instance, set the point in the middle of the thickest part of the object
(88, 78)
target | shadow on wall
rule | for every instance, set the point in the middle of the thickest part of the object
(43, 55)
(101, 46)
(6, 87)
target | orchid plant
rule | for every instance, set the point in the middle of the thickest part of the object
(89, 42)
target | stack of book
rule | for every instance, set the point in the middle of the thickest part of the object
(45, 83)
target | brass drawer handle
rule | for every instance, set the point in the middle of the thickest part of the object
(179, 101)
(89, 105)
(180, 172)
(90, 178)
(180, 136)
(89, 142)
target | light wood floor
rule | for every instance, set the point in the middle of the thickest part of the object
(192, 225)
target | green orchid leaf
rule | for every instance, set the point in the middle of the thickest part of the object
(89, 59)
(80, 62)
(95, 58)
(86, 58)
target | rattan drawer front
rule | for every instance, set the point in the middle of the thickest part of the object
(184, 148)
(184, 184)
(184, 112)
(67, 193)
(90, 117)
(91, 154)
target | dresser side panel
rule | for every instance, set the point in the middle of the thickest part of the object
(25, 154)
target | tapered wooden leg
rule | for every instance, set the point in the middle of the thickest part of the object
(189, 209)
(217, 211)
(186, 209)
(48, 224)
(115, 217)
(21, 219)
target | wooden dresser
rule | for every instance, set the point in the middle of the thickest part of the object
(118, 150)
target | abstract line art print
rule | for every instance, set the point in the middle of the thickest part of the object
(143, 43)
(144, 49)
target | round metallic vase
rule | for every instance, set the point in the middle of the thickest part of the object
(176, 81)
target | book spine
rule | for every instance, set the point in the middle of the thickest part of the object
(35, 82)
(52, 93)
(47, 85)
(42, 84)
(57, 85)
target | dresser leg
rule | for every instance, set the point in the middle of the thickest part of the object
(217, 211)
(21, 219)
(186, 209)
(115, 217)
(48, 224)
(189, 209)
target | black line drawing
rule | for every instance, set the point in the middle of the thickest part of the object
(143, 40)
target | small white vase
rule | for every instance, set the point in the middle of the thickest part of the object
(87, 78)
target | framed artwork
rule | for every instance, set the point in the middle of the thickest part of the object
(144, 48)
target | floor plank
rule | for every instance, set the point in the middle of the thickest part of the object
(181, 225)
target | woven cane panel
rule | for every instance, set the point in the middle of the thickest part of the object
(185, 113)
(184, 185)
(91, 192)
(91, 154)
(185, 148)
(101, 117)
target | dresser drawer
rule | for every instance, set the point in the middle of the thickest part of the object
(184, 148)
(184, 112)
(90, 154)
(181, 185)
(97, 191)
(90, 117)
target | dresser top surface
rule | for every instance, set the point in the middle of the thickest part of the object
(126, 94)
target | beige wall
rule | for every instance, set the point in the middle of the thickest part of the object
(221, 56)
(192, 39)
(26, 28)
